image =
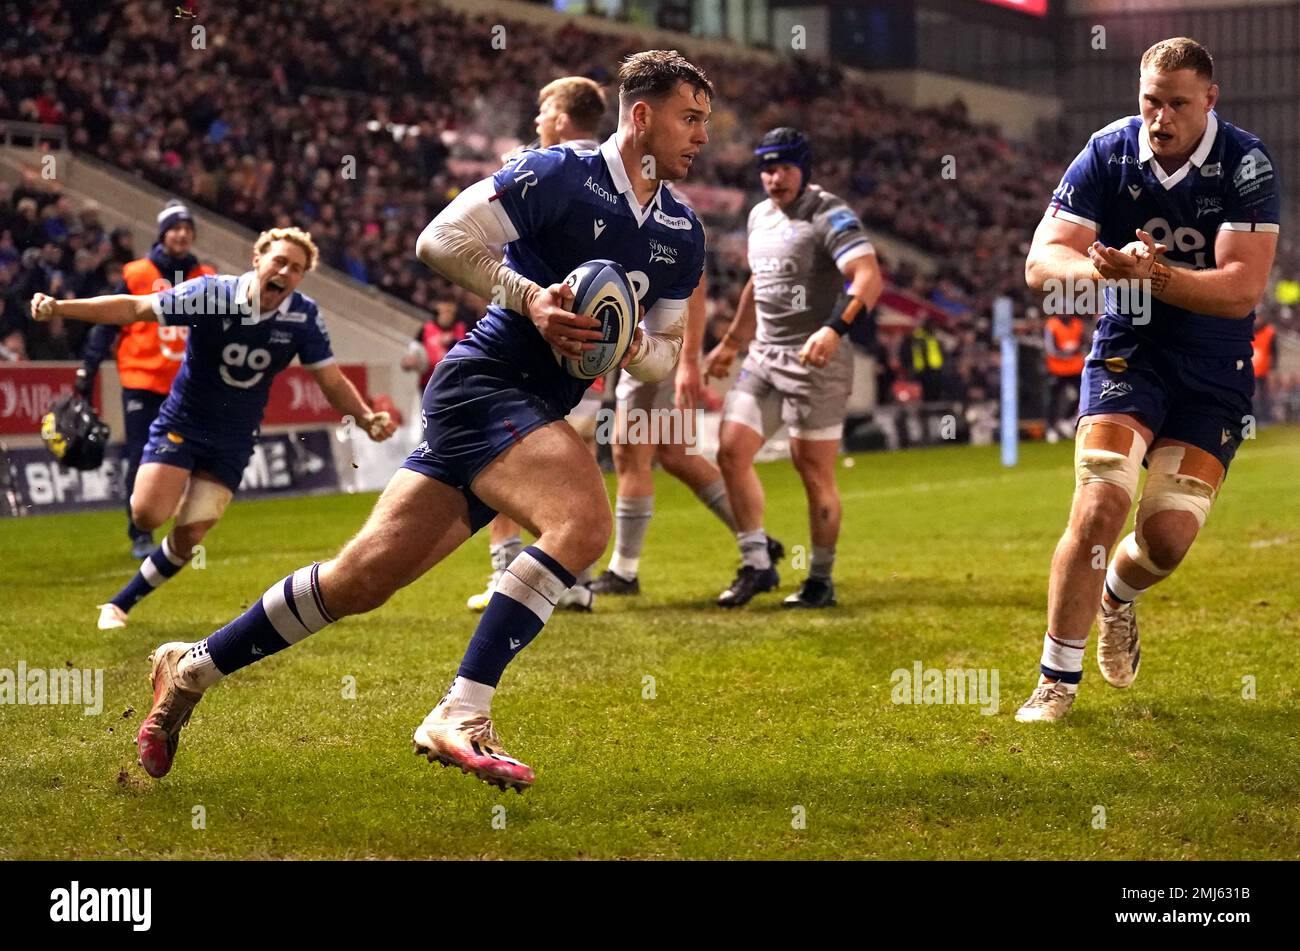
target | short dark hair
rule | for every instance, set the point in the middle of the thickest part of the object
(1179, 52)
(654, 74)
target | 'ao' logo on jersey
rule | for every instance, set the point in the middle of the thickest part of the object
(1187, 240)
(238, 356)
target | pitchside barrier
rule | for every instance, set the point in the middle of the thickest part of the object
(302, 449)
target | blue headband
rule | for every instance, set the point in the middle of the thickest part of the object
(797, 154)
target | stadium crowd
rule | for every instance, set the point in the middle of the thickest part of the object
(357, 123)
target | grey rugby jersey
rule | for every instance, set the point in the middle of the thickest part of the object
(796, 257)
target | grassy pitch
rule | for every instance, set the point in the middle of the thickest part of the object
(664, 727)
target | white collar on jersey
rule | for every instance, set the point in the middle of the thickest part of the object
(242, 295)
(614, 162)
(1145, 153)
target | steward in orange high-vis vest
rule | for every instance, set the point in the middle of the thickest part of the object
(148, 355)
(1263, 359)
(1063, 340)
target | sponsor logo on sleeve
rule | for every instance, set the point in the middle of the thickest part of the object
(1253, 172)
(525, 176)
(843, 221)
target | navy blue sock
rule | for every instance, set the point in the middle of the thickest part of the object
(161, 564)
(290, 610)
(518, 610)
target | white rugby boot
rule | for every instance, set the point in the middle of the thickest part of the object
(1118, 649)
(457, 737)
(111, 617)
(1050, 701)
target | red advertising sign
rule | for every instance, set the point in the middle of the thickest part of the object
(1037, 7)
(295, 397)
(26, 392)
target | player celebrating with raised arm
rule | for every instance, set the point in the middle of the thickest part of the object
(244, 329)
(1169, 385)
(804, 243)
(495, 436)
(569, 110)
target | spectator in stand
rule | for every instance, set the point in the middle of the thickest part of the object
(148, 354)
(245, 129)
(438, 335)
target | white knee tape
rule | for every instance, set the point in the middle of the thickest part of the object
(1168, 489)
(204, 502)
(1134, 548)
(1105, 451)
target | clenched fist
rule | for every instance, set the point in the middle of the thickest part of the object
(42, 307)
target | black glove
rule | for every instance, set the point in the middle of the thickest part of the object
(85, 384)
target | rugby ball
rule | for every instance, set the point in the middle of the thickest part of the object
(601, 289)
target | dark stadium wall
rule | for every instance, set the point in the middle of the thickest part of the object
(1256, 50)
(1001, 62)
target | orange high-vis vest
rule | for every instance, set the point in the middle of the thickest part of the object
(1068, 335)
(149, 356)
(1262, 358)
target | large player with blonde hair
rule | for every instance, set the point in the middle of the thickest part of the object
(1182, 207)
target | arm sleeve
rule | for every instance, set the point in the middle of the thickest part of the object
(841, 233)
(1252, 201)
(463, 242)
(98, 342)
(1079, 196)
(664, 326)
